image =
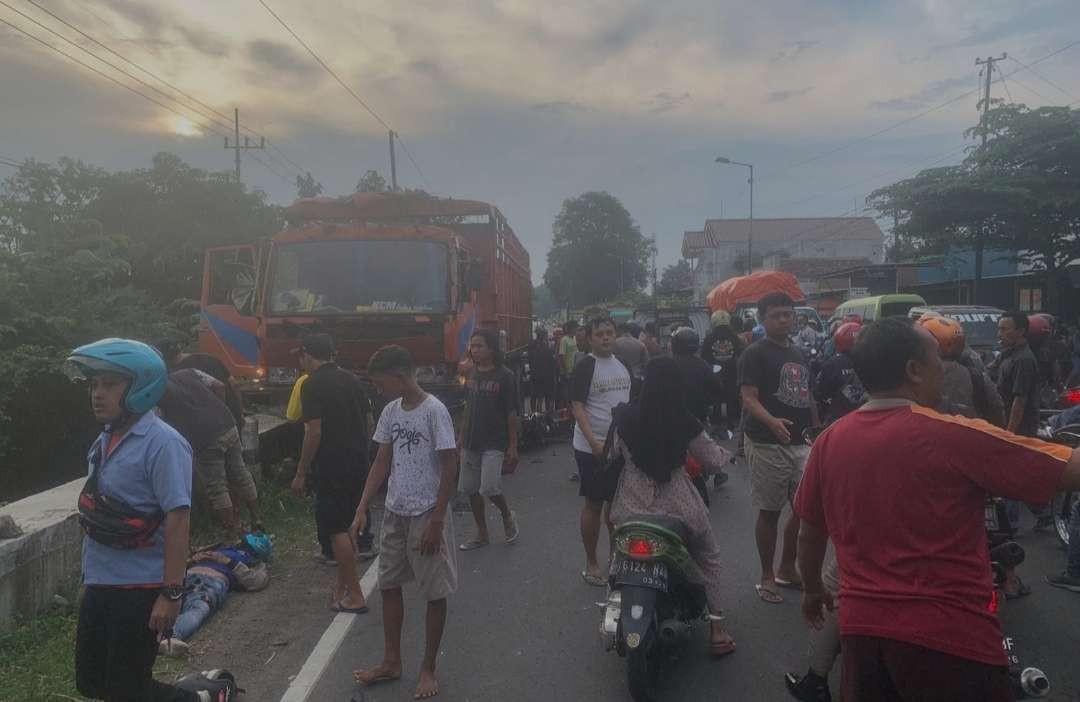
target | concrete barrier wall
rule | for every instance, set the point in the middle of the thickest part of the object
(48, 556)
(38, 564)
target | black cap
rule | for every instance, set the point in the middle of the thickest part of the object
(318, 346)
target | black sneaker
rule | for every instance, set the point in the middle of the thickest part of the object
(1064, 581)
(810, 688)
(210, 685)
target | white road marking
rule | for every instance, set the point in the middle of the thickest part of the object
(305, 681)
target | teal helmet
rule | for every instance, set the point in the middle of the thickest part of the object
(138, 362)
(259, 544)
(758, 332)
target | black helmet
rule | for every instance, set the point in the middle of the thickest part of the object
(685, 341)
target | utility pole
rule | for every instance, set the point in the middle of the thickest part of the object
(237, 146)
(654, 266)
(980, 242)
(393, 164)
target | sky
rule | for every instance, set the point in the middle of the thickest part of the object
(524, 104)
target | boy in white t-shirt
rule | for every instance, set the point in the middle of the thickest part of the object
(418, 453)
(599, 384)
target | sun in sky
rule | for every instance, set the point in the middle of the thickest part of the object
(184, 127)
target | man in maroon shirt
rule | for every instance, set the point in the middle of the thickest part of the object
(900, 490)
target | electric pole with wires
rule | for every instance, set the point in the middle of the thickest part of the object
(984, 129)
(237, 146)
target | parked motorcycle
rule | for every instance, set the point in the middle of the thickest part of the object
(652, 608)
(1062, 504)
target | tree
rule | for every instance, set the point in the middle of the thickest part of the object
(597, 251)
(1019, 192)
(371, 182)
(543, 304)
(677, 276)
(307, 186)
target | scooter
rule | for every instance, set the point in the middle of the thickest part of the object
(652, 608)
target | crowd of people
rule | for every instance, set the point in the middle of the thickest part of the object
(896, 537)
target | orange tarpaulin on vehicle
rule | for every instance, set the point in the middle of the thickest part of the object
(751, 288)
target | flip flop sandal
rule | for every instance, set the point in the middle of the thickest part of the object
(790, 584)
(719, 649)
(338, 607)
(472, 545)
(767, 595)
(594, 580)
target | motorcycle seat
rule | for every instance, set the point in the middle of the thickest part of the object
(663, 521)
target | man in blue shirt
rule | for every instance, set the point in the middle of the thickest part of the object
(135, 510)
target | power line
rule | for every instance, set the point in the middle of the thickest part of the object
(344, 85)
(908, 120)
(1005, 85)
(413, 160)
(192, 98)
(1043, 78)
(1028, 88)
(106, 76)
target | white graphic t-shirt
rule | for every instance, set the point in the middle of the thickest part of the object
(416, 436)
(601, 384)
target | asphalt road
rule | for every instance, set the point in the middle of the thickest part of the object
(524, 626)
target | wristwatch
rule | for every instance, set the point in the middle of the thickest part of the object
(173, 592)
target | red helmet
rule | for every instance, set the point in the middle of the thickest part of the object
(856, 318)
(844, 336)
(1038, 327)
(948, 332)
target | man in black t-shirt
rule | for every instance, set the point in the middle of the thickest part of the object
(176, 359)
(488, 435)
(193, 404)
(1018, 385)
(337, 429)
(776, 392)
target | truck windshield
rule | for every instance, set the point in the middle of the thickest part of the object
(349, 277)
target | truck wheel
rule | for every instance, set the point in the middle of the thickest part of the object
(643, 668)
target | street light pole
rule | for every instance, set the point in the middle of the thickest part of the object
(750, 235)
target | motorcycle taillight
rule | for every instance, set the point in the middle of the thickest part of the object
(1071, 396)
(639, 547)
(995, 602)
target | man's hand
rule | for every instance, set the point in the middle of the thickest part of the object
(814, 605)
(298, 484)
(163, 615)
(510, 460)
(358, 523)
(779, 427)
(431, 539)
(597, 448)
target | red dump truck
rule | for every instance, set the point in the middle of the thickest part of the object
(371, 269)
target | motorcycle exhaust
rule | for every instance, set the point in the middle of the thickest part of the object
(612, 608)
(673, 631)
(1034, 682)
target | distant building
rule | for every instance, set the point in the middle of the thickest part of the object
(718, 252)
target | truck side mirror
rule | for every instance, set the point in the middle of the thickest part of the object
(475, 277)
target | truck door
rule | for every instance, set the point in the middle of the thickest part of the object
(228, 324)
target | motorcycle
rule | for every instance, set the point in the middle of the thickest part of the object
(1062, 505)
(652, 608)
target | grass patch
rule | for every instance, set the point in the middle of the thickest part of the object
(37, 656)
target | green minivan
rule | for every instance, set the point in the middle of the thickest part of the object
(878, 307)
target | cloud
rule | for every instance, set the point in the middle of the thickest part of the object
(785, 95)
(790, 52)
(204, 41)
(149, 18)
(281, 57)
(559, 106)
(665, 102)
(927, 96)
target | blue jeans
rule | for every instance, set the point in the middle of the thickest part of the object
(1074, 541)
(204, 595)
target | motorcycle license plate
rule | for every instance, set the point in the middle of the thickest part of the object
(652, 574)
(991, 517)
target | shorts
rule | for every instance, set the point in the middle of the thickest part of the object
(884, 670)
(597, 484)
(222, 471)
(401, 562)
(775, 472)
(481, 473)
(337, 495)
